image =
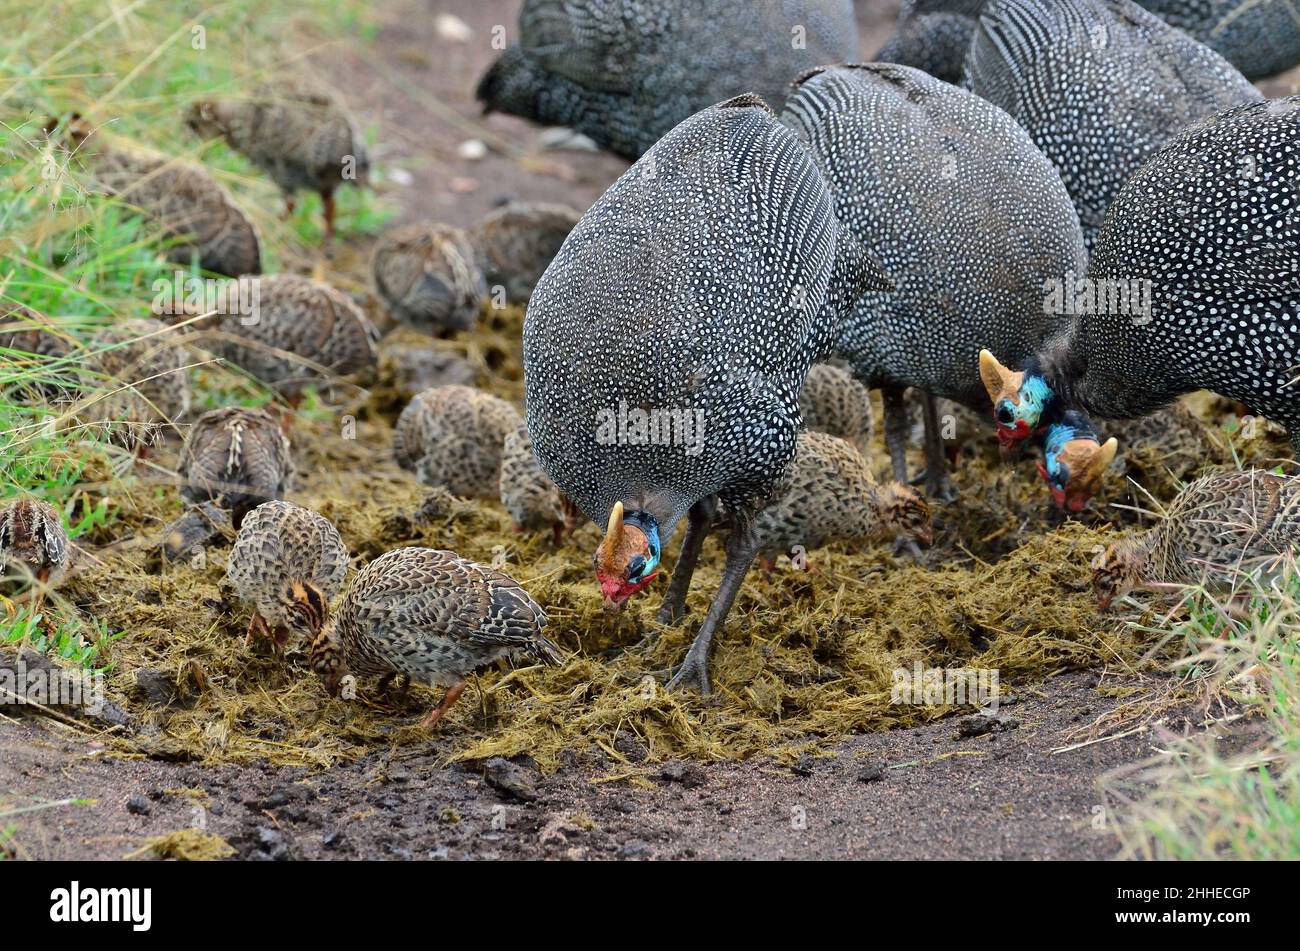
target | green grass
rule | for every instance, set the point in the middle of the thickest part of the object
(1202, 801)
(76, 641)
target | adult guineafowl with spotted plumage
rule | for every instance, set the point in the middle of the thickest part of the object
(966, 216)
(1100, 85)
(1208, 231)
(1260, 39)
(665, 347)
(624, 72)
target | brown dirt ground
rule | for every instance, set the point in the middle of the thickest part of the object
(1001, 795)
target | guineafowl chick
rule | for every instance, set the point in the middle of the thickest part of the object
(147, 378)
(828, 494)
(237, 456)
(427, 274)
(954, 200)
(832, 401)
(203, 220)
(1214, 315)
(289, 563)
(432, 616)
(665, 347)
(528, 494)
(298, 133)
(34, 542)
(1222, 526)
(1100, 85)
(624, 72)
(22, 331)
(517, 242)
(452, 436)
(297, 332)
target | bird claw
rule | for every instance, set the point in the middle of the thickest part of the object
(693, 673)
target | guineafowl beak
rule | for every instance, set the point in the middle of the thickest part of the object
(628, 556)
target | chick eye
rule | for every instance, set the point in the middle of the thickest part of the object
(635, 568)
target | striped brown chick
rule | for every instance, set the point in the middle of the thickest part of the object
(23, 331)
(428, 276)
(145, 381)
(432, 616)
(833, 401)
(290, 332)
(289, 563)
(517, 242)
(452, 436)
(203, 219)
(1223, 526)
(534, 502)
(34, 544)
(238, 457)
(828, 494)
(298, 133)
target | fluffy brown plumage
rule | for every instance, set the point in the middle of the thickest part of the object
(201, 217)
(431, 616)
(452, 436)
(1220, 527)
(33, 543)
(832, 401)
(289, 563)
(296, 132)
(516, 243)
(237, 456)
(147, 388)
(23, 331)
(828, 494)
(534, 502)
(290, 331)
(428, 275)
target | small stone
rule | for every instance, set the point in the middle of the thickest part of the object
(331, 839)
(687, 774)
(472, 149)
(155, 686)
(137, 805)
(510, 778)
(633, 849)
(978, 724)
(871, 774)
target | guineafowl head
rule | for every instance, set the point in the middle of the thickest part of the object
(905, 513)
(207, 118)
(1021, 398)
(326, 659)
(628, 557)
(1074, 461)
(305, 606)
(1118, 570)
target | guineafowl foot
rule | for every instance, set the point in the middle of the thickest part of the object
(437, 712)
(700, 521)
(694, 671)
(938, 488)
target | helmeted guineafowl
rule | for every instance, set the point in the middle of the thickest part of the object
(624, 72)
(965, 214)
(665, 346)
(1206, 236)
(1099, 85)
(1260, 39)
(933, 35)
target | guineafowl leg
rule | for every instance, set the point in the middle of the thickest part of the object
(897, 425)
(742, 546)
(436, 713)
(328, 201)
(937, 484)
(699, 522)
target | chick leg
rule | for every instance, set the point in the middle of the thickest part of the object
(742, 546)
(328, 201)
(897, 424)
(436, 713)
(937, 485)
(700, 521)
(290, 203)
